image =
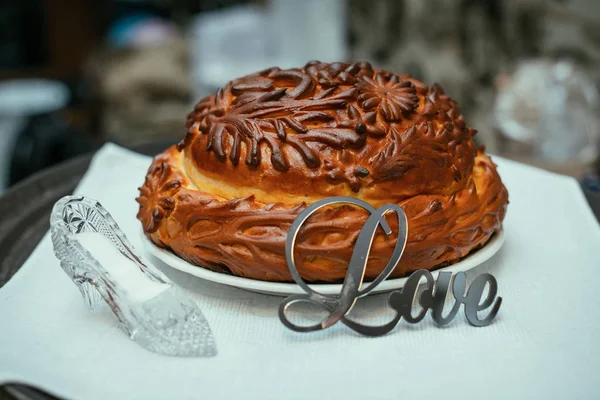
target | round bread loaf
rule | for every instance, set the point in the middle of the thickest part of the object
(266, 145)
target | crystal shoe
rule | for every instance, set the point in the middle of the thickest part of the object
(99, 258)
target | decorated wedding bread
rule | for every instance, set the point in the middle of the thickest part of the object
(268, 144)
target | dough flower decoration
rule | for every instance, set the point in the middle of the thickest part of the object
(388, 94)
(156, 196)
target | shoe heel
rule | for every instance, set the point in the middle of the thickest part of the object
(90, 294)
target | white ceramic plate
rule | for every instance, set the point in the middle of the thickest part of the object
(285, 289)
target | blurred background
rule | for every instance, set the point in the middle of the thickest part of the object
(77, 73)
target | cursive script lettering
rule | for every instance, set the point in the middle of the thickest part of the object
(340, 305)
(433, 296)
(403, 300)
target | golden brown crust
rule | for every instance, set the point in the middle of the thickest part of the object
(247, 237)
(266, 145)
(331, 129)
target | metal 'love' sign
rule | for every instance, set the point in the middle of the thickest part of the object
(433, 297)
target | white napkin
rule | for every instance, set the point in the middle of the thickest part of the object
(543, 343)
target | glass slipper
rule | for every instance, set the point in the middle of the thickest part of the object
(101, 261)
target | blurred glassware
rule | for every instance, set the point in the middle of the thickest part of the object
(225, 44)
(308, 30)
(550, 108)
(236, 41)
(20, 100)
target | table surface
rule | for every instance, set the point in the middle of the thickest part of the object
(25, 210)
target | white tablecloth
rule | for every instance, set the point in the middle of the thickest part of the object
(544, 343)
